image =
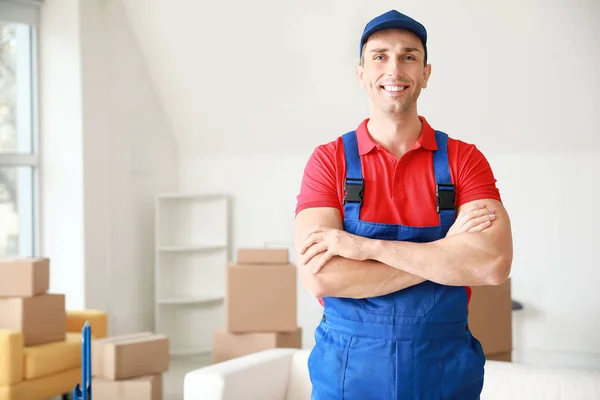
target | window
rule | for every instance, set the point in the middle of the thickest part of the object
(18, 129)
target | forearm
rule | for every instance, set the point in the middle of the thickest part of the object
(341, 277)
(468, 259)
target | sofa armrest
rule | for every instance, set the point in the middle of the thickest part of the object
(11, 357)
(257, 376)
(510, 380)
(98, 320)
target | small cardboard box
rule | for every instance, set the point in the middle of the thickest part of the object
(261, 297)
(148, 387)
(263, 256)
(24, 277)
(490, 317)
(227, 345)
(42, 318)
(130, 356)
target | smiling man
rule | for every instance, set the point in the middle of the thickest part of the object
(393, 225)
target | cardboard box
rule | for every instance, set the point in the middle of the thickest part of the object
(227, 345)
(490, 317)
(506, 356)
(263, 256)
(261, 297)
(24, 277)
(149, 387)
(98, 348)
(130, 356)
(42, 318)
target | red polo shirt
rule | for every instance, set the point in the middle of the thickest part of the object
(397, 191)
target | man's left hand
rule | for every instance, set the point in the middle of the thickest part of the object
(328, 242)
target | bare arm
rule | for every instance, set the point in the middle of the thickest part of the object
(466, 258)
(344, 277)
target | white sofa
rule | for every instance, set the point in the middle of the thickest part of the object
(282, 374)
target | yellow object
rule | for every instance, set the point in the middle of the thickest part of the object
(98, 320)
(11, 357)
(47, 370)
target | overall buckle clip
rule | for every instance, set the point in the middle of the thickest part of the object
(354, 190)
(445, 197)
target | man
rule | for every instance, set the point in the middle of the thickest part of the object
(393, 225)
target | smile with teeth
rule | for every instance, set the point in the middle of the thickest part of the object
(392, 88)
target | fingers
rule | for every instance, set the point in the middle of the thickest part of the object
(468, 214)
(481, 227)
(312, 251)
(480, 223)
(313, 237)
(474, 217)
(322, 261)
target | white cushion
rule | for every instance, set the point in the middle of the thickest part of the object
(299, 386)
(504, 380)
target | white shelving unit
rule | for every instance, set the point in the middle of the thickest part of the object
(192, 236)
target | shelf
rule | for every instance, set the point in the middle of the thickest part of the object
(192, 300)
(192, 247)
(192, 251)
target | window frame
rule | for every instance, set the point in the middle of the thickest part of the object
(27, 12)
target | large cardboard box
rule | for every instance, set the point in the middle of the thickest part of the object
(490, 318)
(130, 356)
(42, 318)
(261, 296)
(506, 356)
(24, 277)
(149, 387)
(227, 345)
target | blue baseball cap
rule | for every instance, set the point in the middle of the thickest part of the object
(397, 20)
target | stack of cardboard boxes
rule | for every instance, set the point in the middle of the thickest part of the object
(129, 367)
(25, 304)
(261, 305)
(490, 320)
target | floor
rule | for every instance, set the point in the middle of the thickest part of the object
(179, 366)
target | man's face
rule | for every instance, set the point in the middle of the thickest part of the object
(393, 71)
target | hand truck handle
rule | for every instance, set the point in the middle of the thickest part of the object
(84, 392)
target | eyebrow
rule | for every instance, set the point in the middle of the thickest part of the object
(385, 50)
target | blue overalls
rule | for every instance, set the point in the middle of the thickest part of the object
(411, 344)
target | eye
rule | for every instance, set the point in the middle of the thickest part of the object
(411, 58)
(378, 57)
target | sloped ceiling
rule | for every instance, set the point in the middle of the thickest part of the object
(266, 76)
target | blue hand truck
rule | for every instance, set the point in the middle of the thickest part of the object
(84, 391)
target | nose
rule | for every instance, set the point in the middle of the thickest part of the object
(395, 68)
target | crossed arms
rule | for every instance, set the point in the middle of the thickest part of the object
(335, 263)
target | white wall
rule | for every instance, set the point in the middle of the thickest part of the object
(121, 151)
(61, 169)
(251, 95)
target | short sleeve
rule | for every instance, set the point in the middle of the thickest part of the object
(319, 183)
(475, 180)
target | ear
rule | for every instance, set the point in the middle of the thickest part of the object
(426, 75)
(359, 74)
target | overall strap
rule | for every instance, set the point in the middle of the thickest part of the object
(354, 182)
(444, 188)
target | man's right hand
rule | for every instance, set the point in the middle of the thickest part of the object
(475, 219)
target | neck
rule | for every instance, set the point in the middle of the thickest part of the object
(396, 132)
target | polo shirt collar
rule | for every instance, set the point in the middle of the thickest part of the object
(366, 142)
